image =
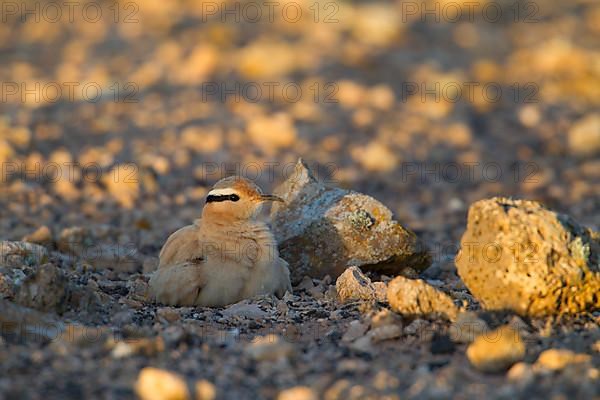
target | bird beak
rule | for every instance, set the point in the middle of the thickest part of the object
(270, 197)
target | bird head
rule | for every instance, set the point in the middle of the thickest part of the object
(235, 199)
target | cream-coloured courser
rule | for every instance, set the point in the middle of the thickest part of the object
(224, 257)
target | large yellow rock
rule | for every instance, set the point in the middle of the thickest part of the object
(521, 256)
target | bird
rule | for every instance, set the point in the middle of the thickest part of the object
(225, 256)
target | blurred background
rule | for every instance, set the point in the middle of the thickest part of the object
(124, 113)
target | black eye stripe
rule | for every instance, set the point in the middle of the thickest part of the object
(225, 197)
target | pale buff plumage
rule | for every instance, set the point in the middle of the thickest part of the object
(224, 257)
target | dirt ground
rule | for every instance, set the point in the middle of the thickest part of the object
(116, 119)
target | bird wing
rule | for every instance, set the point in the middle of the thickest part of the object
(182, 246)
(180, 275)
(284, 278)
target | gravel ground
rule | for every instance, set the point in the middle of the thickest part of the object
(113, 130)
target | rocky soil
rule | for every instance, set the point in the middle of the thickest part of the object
(91, 187)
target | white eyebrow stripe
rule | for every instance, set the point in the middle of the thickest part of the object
(221, 192)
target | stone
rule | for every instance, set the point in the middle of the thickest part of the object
(74, 239)
(306, 284)
(355, 330)
(363, 344)
(17, 254)
(28, 323)
(122, 350)
(322, 230)
(376, 24)
(467, 327)
(385, 332)
(269, 348)
(138, 289)
(167, 315)
(84, 336)
(144, 346)
(375, 157)
(245, 310)
(45, 290)
(205, 390)
(123, 184)
(416, 327)
(158, 384)
(518, 255)
(297, 393)
(173, 335)
(416, 297)
(7, 283)
(354, 285)
(283, 60)
(441, 344)
(41, 236)
(385, 317)
(558, 359)
(584, 136)
(384, 325)
(202, 139)
(6, 152)
(66, 189)
(521, 372)
(272, 132)
(497, 350)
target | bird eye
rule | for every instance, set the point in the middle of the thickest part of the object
(234, 197)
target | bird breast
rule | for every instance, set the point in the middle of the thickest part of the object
(248, 245)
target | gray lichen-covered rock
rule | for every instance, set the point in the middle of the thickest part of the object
(21, 253)
(30, 278)
(521, 256)
(323, 230)
(17, 260)
(45, 290)
(417, 297)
